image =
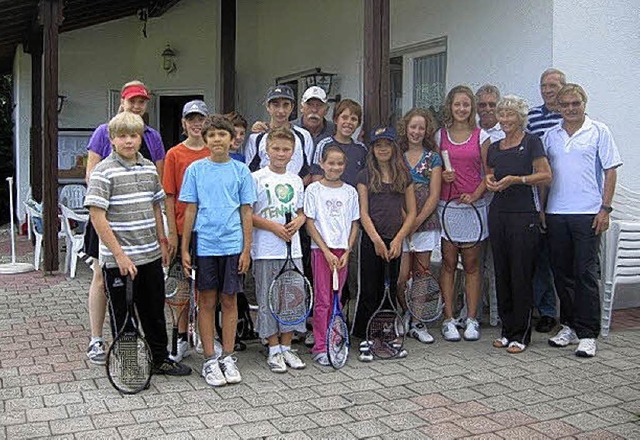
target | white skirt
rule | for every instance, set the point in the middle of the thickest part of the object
(424, 241)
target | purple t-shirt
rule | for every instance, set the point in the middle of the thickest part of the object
(101, 145)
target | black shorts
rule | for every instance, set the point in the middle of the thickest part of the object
(91, 241)
(219, 273)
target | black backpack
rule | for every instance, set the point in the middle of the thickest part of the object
(254, 165)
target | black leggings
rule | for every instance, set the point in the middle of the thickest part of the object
(372, 283)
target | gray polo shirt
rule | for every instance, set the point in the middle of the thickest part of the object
(328, 130)
(128, 191)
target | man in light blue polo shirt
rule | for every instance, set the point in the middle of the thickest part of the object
(584, 159)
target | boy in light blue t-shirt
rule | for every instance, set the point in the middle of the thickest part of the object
(219, 193)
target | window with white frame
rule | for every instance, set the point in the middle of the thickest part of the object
(418, 77)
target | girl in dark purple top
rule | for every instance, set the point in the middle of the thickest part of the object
(387, 214)
(134, 99)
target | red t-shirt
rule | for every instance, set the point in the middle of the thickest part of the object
(177, 160)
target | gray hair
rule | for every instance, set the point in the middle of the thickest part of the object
(553, 71)
(515, 104)
(486, 89)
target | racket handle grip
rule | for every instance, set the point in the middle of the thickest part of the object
(336, 284)
(287, 218)
(174, 342)
(446, 160)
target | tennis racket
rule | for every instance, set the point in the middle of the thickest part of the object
(177, 300)
(192, 329)
(386, 342)
(423, 295)
(129, 360)
(461, 222)
(337, 330)
(290, 295)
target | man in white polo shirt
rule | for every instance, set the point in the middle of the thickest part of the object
(584, 159)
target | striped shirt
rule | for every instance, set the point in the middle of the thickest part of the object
(541, 120)
(128, 192)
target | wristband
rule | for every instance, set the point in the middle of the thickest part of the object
(606, 208)
(164, 241)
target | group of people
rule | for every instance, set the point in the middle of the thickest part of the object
(542, 180)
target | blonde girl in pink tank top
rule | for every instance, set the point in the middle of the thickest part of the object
(467, 146)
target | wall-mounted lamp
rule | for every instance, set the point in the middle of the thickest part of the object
(320, 79)
(61, 100)
(169, 60)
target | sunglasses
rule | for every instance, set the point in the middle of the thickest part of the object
(575, 104)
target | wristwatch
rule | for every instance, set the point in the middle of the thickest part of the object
(606, 208)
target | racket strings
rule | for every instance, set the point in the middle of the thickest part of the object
(130, 363)
(382, 333)
(424, 298)
(290, 297)
(338, 347)
(462, 224)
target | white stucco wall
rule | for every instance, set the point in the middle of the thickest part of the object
(486, 42)
(279, 37)
(97, 59)
(596, 43)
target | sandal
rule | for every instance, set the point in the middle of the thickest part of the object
(516, 347)
(500, 342)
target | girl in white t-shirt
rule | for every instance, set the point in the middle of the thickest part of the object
(332, 211)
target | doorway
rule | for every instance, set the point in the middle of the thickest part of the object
(170, 119)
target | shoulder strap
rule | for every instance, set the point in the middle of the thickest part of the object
(254, 165)
(304, 170)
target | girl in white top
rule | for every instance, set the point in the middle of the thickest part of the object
(332, 211)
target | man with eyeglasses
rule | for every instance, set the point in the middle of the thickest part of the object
(584, 159)
(540, 120)
(488, 96)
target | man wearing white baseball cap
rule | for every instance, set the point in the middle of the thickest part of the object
(314, 109)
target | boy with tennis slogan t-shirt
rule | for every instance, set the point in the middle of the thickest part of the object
(219, 193)
(278, 192)
(124, 198)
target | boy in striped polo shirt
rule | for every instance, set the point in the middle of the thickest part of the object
(124, 198)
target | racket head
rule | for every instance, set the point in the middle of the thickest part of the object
(382, 332)
(424, 297)
(129, 363)
(290, 297)
(386, 342)
(461, 224)
(337, 341)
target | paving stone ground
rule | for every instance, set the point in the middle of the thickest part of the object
(445, 390)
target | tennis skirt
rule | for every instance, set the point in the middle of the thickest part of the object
(466, 235)
(425, 241)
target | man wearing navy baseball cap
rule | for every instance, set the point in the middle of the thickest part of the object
(279, 102)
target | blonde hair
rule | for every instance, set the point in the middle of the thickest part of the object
(448, 102)
(572, 88)
(428, 143)
(281, 133)
(515, 104)
(125, 123)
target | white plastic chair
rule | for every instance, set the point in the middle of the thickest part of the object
(72, 196)
(34, 217)
(626, 204)
(621, 264)
(74, 240)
